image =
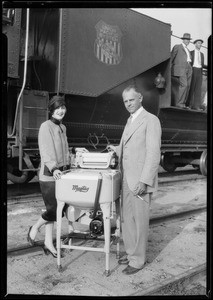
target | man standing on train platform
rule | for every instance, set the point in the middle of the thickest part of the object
(181, 72)
(194, 99)
(139, 157)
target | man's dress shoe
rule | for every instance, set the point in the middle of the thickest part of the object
(181, 105)
(130, 270)
(196, 108)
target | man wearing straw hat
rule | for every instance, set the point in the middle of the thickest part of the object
(181, 71)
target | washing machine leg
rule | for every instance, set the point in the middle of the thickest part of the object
(107, 230)
(60, 206)
(118, 226)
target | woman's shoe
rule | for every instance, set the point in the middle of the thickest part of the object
(31, 241)
(47, 251)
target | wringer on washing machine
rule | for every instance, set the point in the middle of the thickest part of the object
(93, 186)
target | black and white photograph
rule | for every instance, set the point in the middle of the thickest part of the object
(106, 114)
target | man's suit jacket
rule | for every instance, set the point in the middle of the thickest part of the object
(178, 60)
(139, 151)
(193, 56)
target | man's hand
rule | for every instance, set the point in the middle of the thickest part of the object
(111, 148)
(57, 174)
(140, 188)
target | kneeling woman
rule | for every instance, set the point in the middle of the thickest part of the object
(55, 158)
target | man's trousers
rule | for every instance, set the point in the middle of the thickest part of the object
(135, 225)
(181, 86)
(194, 99)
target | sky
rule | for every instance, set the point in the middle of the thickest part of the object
(196, 21)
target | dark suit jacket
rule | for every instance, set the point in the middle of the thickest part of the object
(193, 56)
(178, 60)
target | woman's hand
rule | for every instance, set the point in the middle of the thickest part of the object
(81, 150)
(57, 174)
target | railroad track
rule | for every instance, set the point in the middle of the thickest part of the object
(153, 221)
(178, 285)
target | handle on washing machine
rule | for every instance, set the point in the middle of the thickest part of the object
(97, 196)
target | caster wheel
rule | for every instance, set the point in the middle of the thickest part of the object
(107, 273)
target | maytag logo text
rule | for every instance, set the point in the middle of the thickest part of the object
(82, 189)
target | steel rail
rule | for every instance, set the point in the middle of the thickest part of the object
(153, 221)
(181, 280)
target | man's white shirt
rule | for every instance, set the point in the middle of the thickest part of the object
(135, 114)
(187, 52)
(197, 59)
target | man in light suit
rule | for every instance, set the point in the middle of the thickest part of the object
(194, 99)
(139, 158)
(181, 72)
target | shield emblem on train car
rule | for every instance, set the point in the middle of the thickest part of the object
(107, 46)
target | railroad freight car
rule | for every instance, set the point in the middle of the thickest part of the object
(89, 56)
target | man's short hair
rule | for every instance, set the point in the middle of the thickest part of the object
(130, 87)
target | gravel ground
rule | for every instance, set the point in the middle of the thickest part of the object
(173, 248)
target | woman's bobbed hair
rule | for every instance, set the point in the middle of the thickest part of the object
(55, 102)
